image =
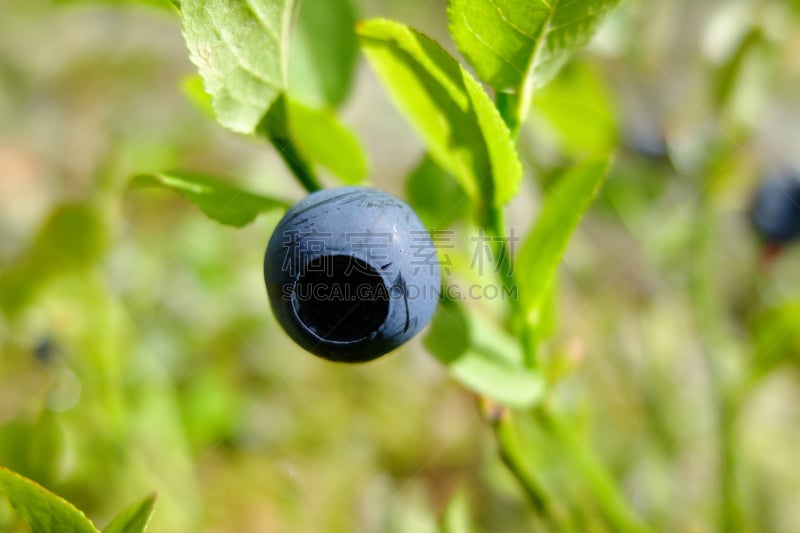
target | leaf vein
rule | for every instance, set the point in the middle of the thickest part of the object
(593, 15)
(509, 23)
(257, 14)
(489, 47)
(240, 61)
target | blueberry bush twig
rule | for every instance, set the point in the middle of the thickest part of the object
(514, 108)
(384, 43)
(468, 135)
(514, 457)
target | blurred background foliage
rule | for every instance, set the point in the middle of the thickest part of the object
(138, 352)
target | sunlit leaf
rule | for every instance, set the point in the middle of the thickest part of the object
(43, 511)
(481, 356)
(434, 194)
(579, 110)
(506, 169)
(134, 519)
(240, 48)
(458, 122)
(218, 200)
(324, 52)
(510, 41)
(323, 140)
(542, 249)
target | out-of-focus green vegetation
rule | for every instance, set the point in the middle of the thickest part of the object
(138, 353)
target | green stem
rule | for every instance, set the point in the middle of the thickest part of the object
(508, 105)
(508, 278)
(612, 502)
(622, 517)
(514, 107)
(500, 250)
(514, 458)
(304, 174)
(726, 401)
(275, 127)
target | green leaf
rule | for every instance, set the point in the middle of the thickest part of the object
(455, 117)
(481, 356)
(434, 194)
(323, 140)
(277, 129)
(324, 52)
(506, 168)
(43, 511)
(579, 109)
(218, 200)
(542, 249)
(511, 43)
(240, 49)
(134, 519)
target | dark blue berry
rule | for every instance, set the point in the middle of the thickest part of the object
(775, 212)
(351, 273)
(45, 350)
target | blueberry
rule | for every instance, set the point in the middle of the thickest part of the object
(351, 273)
(775, 212)
(45, 350)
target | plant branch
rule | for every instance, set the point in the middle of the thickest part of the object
(276, 128)
(612, 502)
(727, 403)
(508, 278)
(304, 174)
(614, 505)
(515, 460)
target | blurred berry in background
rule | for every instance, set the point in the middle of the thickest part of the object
(776, 208)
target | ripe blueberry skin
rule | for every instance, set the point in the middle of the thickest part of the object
(775, 212)
(351, 238)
